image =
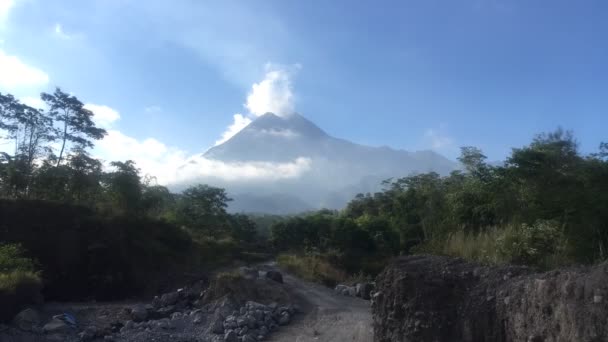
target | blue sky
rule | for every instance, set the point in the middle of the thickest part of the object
(407, 74)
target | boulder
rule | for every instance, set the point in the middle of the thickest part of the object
(56, 326)
(168, 299)
(27, 320)
(275, 275)
(431, 298)
(231, 336)
(139, 313)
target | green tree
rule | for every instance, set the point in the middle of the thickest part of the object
(76, 121)
(124, 187)
(203, 207)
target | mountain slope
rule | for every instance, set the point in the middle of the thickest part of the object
(338, 168)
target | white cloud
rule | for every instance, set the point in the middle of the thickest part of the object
(238, 124)
(5, 7)
(15, 74)
(172, 165)
(203, 168)
(32, 101)
(104, 116)
(274, 93)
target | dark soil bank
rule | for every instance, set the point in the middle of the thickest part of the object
(431, 298)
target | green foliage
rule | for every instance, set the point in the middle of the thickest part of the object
(203, 207)
(20, 282)
(12, 258)
(312, 268)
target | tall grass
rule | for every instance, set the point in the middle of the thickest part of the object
(313, 268)
(541, 244)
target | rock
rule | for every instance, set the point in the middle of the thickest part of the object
(352, 291)
(56, 326)
(88, 334)
(168, 299)
(365, 290)
(285, 318)
(248, 338)
(433, 298)
(340, 288)
(275, 275)
(164, 311)
(249, 272)
(27, 319)
(198, 318)
(231, 336)
(139, 313)
(217, 324)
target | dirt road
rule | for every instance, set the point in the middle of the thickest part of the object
(326, 316)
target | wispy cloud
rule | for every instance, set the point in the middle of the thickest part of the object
(60, 33)
(153, 109)
(438, 140)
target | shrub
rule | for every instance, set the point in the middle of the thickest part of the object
(312, 268)
(20, 283)
(540, 244)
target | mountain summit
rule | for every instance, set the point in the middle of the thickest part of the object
(270, 138)
(339, 169)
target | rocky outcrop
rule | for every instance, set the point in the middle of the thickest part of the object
(432, 298)
(362, 290)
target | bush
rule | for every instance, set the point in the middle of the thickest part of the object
(312, 268)
(20, 283)
(540, 244)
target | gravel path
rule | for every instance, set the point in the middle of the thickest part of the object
(326, 315)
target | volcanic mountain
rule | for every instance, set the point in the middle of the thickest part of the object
(336, 170)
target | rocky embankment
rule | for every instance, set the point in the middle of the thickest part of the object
(244, 306)
(432, 298)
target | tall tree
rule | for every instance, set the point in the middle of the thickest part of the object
(77, 122)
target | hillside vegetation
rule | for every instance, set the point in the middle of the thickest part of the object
(544, 207)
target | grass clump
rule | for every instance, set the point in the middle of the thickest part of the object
(541, 244)
(313, 268)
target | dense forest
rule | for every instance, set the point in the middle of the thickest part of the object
(78, 227)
